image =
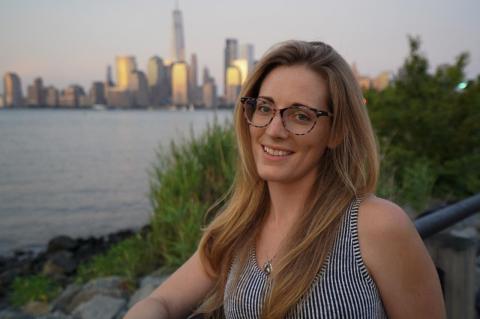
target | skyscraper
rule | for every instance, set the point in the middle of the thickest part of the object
(178, 41)
(108, 79)
(158, 83)
(126, 65)
(51, 97)
(180, 84)
(139, 87)
(12, 90)
(35, 93)
(232, 88)
(230, 54)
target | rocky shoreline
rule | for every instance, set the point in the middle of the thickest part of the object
(60, 261)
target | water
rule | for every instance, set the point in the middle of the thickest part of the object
(81, 173)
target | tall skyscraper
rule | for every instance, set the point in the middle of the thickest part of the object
(230, 54)
(178, 41)
(158, 82)
(12, 90)
(234, 82)
(247, 53)
(108, 78)
(180, 84)
(139, 88)
(35, 93)
(97, 93)
(126, 65)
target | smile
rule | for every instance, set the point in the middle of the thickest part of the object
(275, 152)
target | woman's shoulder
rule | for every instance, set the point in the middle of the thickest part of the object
(385, 231)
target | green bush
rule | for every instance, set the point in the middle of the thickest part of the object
(130, 258)
(184, 183)
(33, 288)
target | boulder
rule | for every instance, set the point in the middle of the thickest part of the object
(11, 314)
(147, 285)
(63, 301)
(109, 286)
(61, 243)
(60, 263)
(36, 308)
(100, 307)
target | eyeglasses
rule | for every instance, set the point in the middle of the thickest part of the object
(297, 119)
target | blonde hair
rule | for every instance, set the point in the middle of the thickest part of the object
(348, 170)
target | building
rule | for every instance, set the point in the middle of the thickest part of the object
(233, 86)
(159, 85)
(13, 96)
(138, 88)
(97, 94)
(119, 97)
(381, 81)
(209, 94)
(36, 93)
(51, 97)
(72, 97)
(178, 41)
(126, 65)
(247, 53)
(108, 78)
(230, 54)
(180, 84)
(242, 65)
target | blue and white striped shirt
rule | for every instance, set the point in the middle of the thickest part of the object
(343, 289)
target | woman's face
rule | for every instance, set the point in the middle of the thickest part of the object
(281, 156)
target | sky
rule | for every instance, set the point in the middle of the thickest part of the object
(72, 41)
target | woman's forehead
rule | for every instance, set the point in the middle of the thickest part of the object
(294, 84)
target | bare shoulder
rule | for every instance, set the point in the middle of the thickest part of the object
(383, 219)
(398, 261)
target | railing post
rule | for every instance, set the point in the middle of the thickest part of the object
(454, 252)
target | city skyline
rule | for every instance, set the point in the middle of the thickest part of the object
(100, 32)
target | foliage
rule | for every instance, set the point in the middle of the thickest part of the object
(129, 258)
(33, 288)
(184, 183)
(429, 131)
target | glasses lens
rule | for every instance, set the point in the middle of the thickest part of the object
(299, 120)
(259, 112)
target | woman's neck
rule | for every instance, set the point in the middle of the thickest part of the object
(287, 200)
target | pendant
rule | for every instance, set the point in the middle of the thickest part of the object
(267, 267)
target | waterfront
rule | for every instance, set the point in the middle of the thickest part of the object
(81, 173)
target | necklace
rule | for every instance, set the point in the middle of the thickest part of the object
(267, 267)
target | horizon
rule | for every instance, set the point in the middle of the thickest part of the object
(371, 34)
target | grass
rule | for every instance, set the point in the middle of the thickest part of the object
(33, 288)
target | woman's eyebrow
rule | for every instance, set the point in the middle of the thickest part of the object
(291, 104)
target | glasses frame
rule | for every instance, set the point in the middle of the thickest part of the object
(318, 113)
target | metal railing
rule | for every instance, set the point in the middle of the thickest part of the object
(445, 217)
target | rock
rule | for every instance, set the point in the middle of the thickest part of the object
(55, 315)
(147, 285)
(61, 262)
(36, 308)
(100, 307)
(62, 302)
(109, 286)
(61, 243)
(11, 314)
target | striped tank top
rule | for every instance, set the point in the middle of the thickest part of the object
(342, 289)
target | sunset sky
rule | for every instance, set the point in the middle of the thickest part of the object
(73, 41)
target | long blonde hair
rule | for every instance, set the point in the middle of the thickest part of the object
(347, 170)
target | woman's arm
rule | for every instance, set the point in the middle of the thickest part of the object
(398, 261)
(178, 296)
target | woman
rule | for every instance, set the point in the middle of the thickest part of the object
(302, 235)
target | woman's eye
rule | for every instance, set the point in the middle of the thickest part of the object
(302, 117)
(263, 108)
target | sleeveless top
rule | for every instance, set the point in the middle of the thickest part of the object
(342, 289)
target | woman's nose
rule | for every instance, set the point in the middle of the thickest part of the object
(276, 127)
